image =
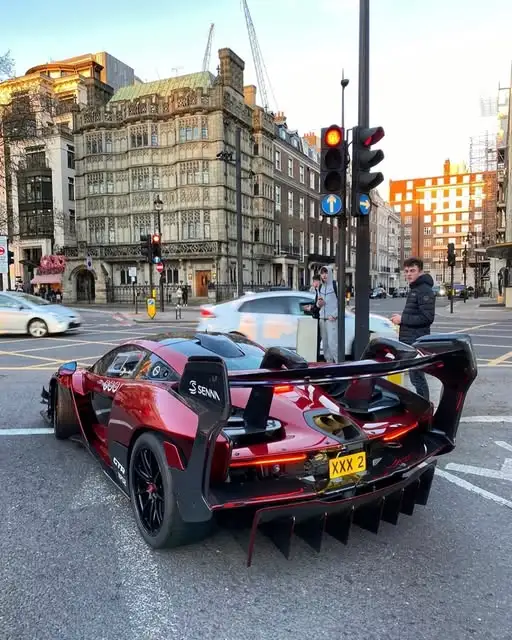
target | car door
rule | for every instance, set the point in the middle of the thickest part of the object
(13, 318)
(268, 320)
(117, 368)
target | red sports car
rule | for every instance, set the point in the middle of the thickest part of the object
(199, 429)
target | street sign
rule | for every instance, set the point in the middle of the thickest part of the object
(364, 204)
(331, 205)
(4, 259)
(132, 272)
(159, 267)
(151, 307)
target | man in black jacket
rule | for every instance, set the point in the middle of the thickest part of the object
(418, 314)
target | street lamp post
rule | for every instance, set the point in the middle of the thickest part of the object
(158, 206)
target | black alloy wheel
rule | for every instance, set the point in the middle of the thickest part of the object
(153, 501)
(148, 490)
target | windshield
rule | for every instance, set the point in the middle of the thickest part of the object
(30, 299)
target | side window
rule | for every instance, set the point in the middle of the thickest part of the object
(276, 304)
(8, 303)
(155, 369)
(120, 363)
(296, 302)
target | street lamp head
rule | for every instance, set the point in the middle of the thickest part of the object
(158, 204)
(344, 83)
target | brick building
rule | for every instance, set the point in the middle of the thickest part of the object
(458, 207)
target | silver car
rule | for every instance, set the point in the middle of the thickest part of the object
(21, 313)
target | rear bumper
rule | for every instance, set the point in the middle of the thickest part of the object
(312, 519)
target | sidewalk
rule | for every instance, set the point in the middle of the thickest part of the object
(483, 308)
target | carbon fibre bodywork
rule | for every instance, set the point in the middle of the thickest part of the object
(214, 477)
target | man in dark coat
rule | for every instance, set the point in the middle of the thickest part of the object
(418, 314)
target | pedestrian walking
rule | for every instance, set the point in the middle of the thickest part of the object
(327, 302)
(418, 314)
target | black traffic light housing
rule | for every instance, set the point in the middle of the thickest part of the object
(364, 159)
(10, 255)
(145, 247)
(452, 260)
(333, 154)
(156, 248)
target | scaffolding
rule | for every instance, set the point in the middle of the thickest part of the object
(483, 152)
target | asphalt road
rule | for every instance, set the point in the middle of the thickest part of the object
(73, 566)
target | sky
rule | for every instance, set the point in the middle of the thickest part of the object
(431, 61)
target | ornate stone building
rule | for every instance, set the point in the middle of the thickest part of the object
(163, 142)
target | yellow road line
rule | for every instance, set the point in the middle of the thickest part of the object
(68, 346)
(500, 359)
(478, 326)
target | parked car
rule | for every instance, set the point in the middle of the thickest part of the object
(270, 318)
(378, 292)
(22, 313)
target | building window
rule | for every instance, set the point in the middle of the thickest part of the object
(154, 135)
(397, 208)
(140, 179)
(409, 185)
(327, 246)
(290, 203)
(320, 245)
(94, 143)
(301, 208)
(427, 219)
(408, 195)
(108, 142)
(278, 198)
(427, 242)
(278, 160)
(71, 189)
(428, 182)
(427, 231)
(196, 172)
(72, 221)
(311, 179)
(301, 246)
(139, 137)
(408, 208)
(398, 197)
(311, 243)
(408, 220)
(191, 225)
(290, 167)
(312, 212)
(278, 239)
(290, 238)
(301, 174)
(71, 156)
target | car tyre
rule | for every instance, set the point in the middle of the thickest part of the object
(160, 523)
(37, 328)
(61, 430)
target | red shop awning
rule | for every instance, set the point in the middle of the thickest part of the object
(49, 278)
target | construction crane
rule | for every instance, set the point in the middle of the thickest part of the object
(208, 52)
(259, 64)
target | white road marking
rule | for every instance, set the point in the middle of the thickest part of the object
(460, 482)
(26, 432)
(487, 419)
(504, 445)
(149, 606)
(504, 474)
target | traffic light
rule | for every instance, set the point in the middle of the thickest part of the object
(452, 261)
(10, 255)
(145, 247)
(332, 160)
(156, 248)
(363, 159)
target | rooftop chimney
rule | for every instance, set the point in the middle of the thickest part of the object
(250, 95)
(280, 118)
(232, 70)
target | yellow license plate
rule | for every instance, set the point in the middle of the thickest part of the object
(347, 465)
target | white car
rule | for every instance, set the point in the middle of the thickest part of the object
(21, 313)
(270, 318)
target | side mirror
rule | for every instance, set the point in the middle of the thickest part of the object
(67, 369)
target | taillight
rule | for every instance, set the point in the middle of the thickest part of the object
(206, 313)
(398, 432)
(270, 460)
(283, 388)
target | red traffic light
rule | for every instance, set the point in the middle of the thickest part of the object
(333, 136)
(155, 239)
(372, 136)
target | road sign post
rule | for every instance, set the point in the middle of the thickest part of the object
(151, 307)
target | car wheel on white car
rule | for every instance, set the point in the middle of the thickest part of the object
(38, 328)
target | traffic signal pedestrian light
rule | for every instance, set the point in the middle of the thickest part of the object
(452, 260)
(332, 160)
(363, 159)
(145, 247)
(156, 248)
(10, 255)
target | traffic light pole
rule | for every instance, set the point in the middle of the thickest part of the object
(363, 223)
(451, 289)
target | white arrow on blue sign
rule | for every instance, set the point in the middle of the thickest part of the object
(331, 205)
(364, 204)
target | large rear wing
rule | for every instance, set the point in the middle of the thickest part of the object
(205, 386)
